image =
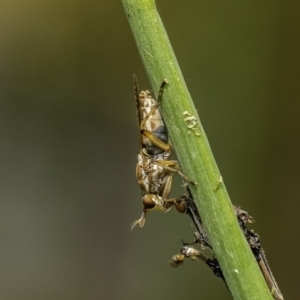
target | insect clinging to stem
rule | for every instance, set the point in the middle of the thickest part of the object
(154, 169)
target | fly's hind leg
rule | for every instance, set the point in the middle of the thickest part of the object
(177, 201)
(156, 141)
(166, 192)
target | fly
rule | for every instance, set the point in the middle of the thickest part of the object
(189, 207)
(194, 254)
(154, 169)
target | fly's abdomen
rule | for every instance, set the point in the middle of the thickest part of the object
(154, 142)
(153, 129)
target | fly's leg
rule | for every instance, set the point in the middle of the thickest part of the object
(177, 201)
(155, 140)
(167, 187)
(168, 203)
(140, 221)
(172, 166)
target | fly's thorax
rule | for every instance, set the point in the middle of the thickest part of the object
(150, 175)
(151, 165)
(148, 163)
(153, 202)
(189, 251)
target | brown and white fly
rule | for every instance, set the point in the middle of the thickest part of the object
(154, 169)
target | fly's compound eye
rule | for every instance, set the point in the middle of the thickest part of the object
(148, 202)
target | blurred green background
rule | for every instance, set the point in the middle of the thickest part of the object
(69, 142)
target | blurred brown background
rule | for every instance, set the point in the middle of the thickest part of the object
(69, 142)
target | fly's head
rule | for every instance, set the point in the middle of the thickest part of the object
(177, 260)
(153, 202)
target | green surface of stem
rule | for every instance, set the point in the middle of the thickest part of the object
(241, 271)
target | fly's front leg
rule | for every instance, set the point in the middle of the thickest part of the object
(168, 203)
(140, 221)
(172, 166)
(178, 202)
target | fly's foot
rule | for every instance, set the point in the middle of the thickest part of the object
(140, 221)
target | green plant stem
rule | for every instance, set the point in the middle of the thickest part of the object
(241, 271)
